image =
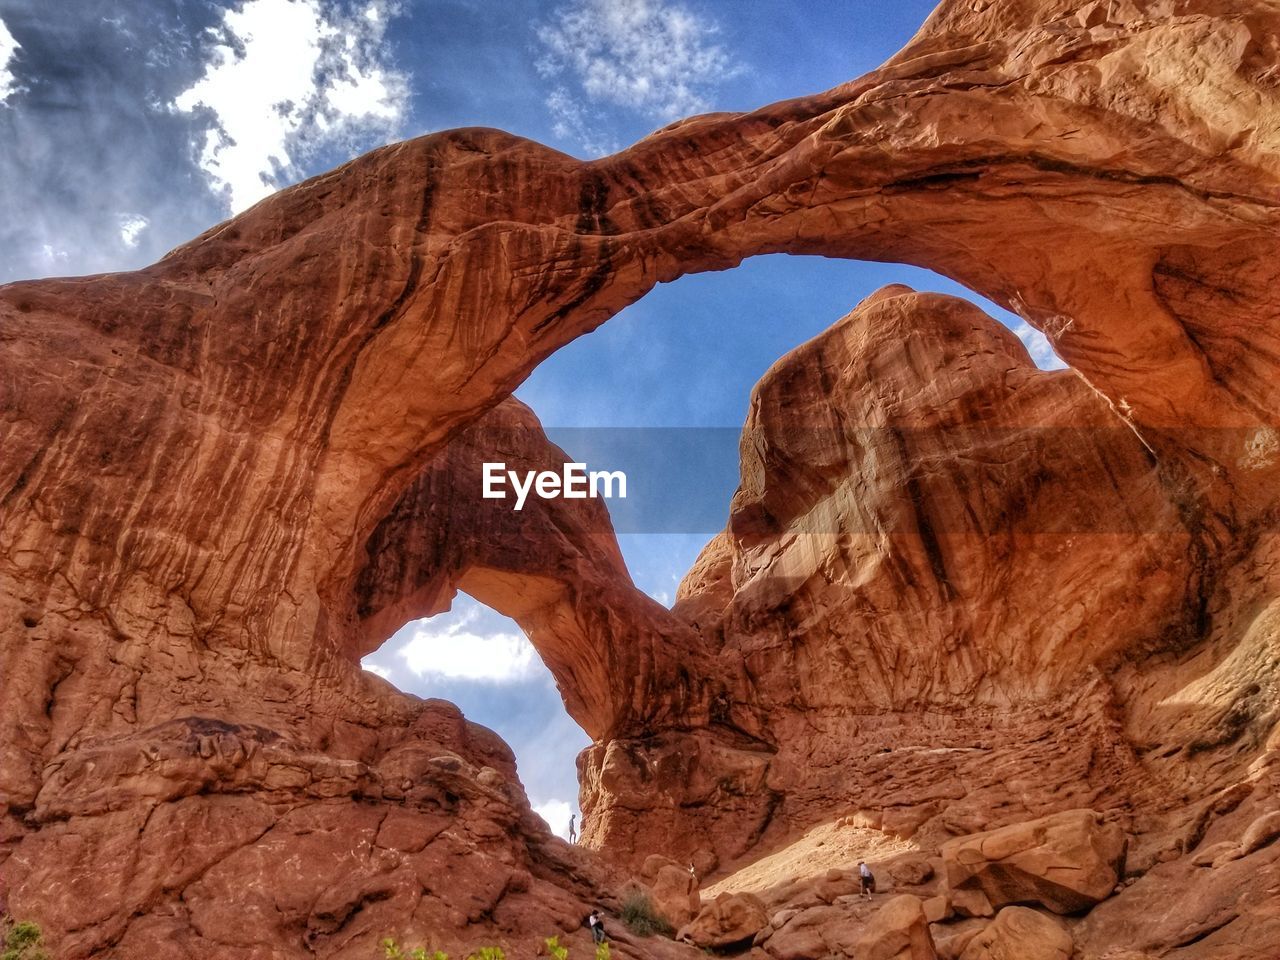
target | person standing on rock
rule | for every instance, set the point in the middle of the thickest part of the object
(867, 878)
(597, 926)
(573, 831)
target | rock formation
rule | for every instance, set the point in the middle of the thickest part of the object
(955, 592)
(730, 920)
(1067, 862)
(898, 931)
(1021, 934)
(913, 450)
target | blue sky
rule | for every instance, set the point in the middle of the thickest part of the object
(128, 126)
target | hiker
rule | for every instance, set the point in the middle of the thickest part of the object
(597, 926)
(868, 880)
(573, 831)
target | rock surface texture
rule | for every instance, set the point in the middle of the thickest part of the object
(897, 931)
(955, 592)
(1067, 862)
(731, 919)
(1021, 934)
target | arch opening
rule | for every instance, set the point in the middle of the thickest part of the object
(485, 664)
(664, 365)
(522, 576)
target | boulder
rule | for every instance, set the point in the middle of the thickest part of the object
(951, 938)
(732, 918)
(1261, 832)
(911, 871)
(898, 931)
(835, 884)
(816, 932)
(1019, 933)
(1216, 853)
(652, 864)
(937, 909)
(1066, 862)
(675, 894)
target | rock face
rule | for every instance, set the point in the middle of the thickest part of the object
(557, 571)
(1021, 934)
(955, 592)
(913, 450)
(247, 838)
(386, 816)
(1224, 909)
(675, 892)
(1067, 862)
(897, 931)
(731, 919)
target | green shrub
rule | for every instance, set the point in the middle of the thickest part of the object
(642, 918)
(393, 951)
(602, 951)
(21, 941)
(555, 950)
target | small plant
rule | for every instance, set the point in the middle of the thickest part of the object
(642, 918)
(602, 951)
(393, 951)
(488, 953)
(21, 940)
(555, 950)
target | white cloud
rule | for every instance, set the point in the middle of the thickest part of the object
(556, 813)
(8, 50)
(286, 78)
(53, 256)
(650, 56)
(576, 123)
(131, 227)
(376, 670)
(455, 652)
(1039, 347)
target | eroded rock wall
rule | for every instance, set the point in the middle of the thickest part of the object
(937, 554)
(198, 455)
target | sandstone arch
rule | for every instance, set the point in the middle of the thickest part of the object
(197, 454)
(555, 568)
(462, 258)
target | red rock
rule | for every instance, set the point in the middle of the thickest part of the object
(228, 475)
(675, 895)
(1216, 853)
(731, 918)
(805, 934)
(937, 909)
(1018, 933)
(835, 884)
(953, 937)
(1263, 831)
(1226, 910)
(911, 871)
(822, 548)
(1066, 862)
(899, 930)
(817, 931)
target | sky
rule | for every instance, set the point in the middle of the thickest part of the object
(129, 126)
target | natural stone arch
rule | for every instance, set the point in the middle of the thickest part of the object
(410, 290)
(620, 659)
(197, 454)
